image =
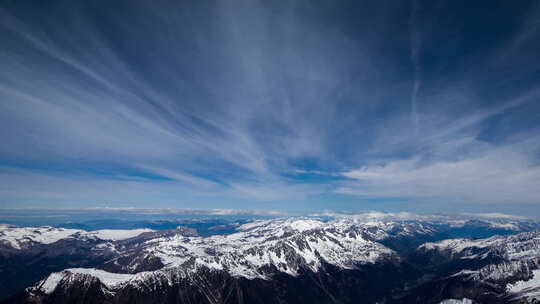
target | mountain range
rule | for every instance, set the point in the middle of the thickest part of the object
(318, 259)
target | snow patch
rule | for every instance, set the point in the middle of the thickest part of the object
(111, 280)
(116, 234)
(50, 283)
(455, 301)
(524, 286)
(19, 237)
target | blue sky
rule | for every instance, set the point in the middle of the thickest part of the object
(300, 106)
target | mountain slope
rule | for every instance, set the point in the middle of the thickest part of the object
(500, 269)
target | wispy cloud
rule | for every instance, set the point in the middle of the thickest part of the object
(215, 104)
(173, 211)
(416, 43)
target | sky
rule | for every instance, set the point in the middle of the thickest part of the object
(293, 105)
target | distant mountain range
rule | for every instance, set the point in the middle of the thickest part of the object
(326, 259)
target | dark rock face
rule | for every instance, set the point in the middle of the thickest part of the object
(476, 269)
(20, 270)
(330, 285)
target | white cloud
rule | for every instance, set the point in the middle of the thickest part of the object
(498, 175)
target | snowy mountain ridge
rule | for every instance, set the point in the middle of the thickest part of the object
(258, 250)
(20, 238)
(520, 246)
(285, 245)
(341, 252)
(513, 262)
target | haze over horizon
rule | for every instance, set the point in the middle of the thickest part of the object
(293, 106)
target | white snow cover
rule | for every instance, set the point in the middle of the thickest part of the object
(116, 234)
(455, 301)
(520, 246)
(49, 284)
(286, 244)
(521, 252)
(109, 279)
(456, 245)
(21, 237)
(529, 288)
(380, 230)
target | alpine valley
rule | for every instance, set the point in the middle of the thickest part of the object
(328, 258)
